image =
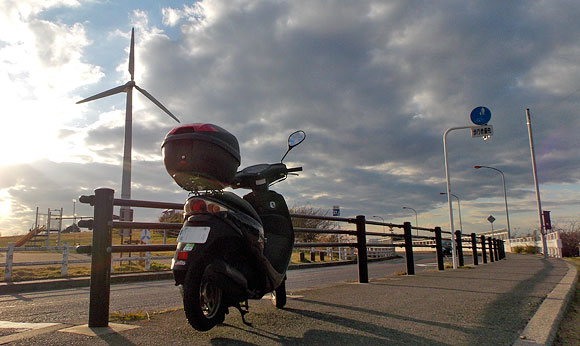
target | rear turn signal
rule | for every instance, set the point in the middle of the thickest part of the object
(198, 206)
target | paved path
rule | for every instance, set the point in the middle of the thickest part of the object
(487, 305)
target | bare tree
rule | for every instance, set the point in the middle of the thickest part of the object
(313, 223)
(570, 236)
(171, 216)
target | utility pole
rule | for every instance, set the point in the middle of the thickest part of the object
(535, 172)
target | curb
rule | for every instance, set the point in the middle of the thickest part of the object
(85, 281)
(542, 328)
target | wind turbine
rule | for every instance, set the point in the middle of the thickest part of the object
(128, 88)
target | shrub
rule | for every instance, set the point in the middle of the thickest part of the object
(518, 249)
(531, 249)
(570, 240)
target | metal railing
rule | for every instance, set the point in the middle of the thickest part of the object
(102, 248)
(64, 261)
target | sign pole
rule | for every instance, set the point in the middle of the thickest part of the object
(448, 179)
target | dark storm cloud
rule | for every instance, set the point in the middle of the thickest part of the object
(374, 85)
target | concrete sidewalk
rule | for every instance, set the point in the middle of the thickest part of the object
(489, 304)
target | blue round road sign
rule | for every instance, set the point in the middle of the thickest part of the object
(480, 115)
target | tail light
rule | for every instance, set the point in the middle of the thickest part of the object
(202, 206)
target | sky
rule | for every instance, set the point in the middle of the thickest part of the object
(374, 84)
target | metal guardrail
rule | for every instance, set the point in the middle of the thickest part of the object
(101, 250)
(64, 262)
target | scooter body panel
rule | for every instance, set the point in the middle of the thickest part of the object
(229, 238)
(278, 230)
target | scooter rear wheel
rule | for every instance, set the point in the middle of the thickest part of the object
(203, 299)
(279, 295)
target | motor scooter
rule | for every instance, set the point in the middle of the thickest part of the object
(230, 249)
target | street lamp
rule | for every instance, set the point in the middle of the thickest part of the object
(416, 222)
(458, 208)
(380, 217)
(504, 196)
(74, 211)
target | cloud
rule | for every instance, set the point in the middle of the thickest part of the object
(374, 85)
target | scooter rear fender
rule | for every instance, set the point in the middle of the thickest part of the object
(220, 229)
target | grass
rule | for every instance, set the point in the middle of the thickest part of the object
(84, 238)
(138, 315)
(53, 272)
(569, 330)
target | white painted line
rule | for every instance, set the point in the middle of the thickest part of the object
(289, 296)
(25, 325)
(113, 328)
(426, 264)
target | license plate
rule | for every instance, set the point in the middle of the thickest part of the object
(197, 235)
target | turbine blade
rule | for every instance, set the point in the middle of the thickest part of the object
(132, 55)
(150, 97)
(109, 92)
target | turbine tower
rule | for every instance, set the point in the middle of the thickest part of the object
(125, 213)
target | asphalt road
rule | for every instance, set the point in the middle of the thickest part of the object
(71, 305)
(485, 305)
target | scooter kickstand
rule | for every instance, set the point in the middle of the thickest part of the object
(244, 312)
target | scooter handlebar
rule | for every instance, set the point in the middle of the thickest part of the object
(295, 169)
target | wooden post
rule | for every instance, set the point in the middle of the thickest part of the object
(474, 249)
(363, 270)
(101, 259)
(409, 248)
(483, 250)
(64, 268)
(439, 249)
(459, 243)
(9, 262)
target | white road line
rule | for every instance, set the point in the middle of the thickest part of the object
(426, 264)
(25, 325)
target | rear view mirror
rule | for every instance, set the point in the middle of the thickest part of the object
(293, 140)
(296, 138)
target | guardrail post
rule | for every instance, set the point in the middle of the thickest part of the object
(495, 250)
(474, 249)
(101, 258)
(502, 249)
(64, 268)
(490, 244)
(459, 243)
(439, 248)
(9, 261)
(361, 241)
(409, 249)
(483, 250)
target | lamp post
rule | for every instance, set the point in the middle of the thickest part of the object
(74, 211)
(416, 220)
(380, 217)
(504, 197)
(458, 209)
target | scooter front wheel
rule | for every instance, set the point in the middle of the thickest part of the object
(279, 295)
(203, 299)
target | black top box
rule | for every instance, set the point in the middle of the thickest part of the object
(201, 156)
